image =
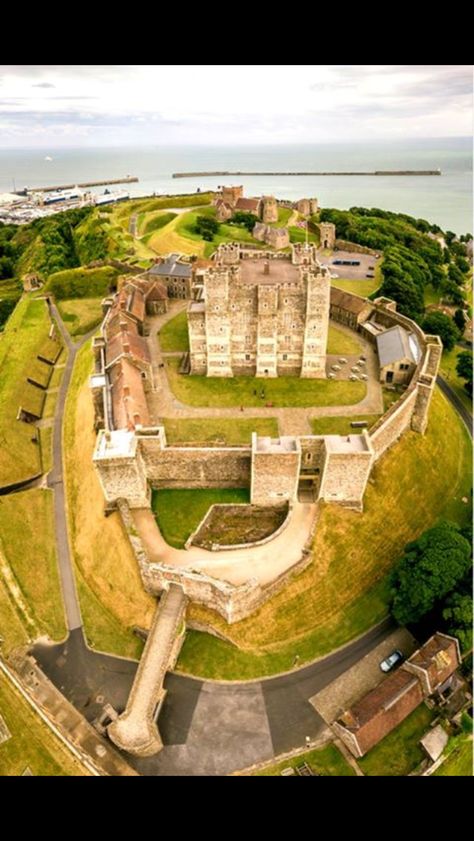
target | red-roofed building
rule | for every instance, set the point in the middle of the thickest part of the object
(430, 669)
(129, 405)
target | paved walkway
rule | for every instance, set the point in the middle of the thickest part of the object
(55, 481)
(263, 563)
(291, 421)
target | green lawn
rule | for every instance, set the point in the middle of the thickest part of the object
(448, 372)
(80, 314)
(327, 761)
(32, 744)
(400, 752)
(342, 344)
(25, 335)
(218, 430)
(459, 762)
(26, 521)
(81, 283)
(299, 235)
(345, 590)
(179, 512)
(173, 336)
(341, 425)
(364, 288)
(246, 391)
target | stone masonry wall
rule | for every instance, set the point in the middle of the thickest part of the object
(345, 478)
(395, 422)
(195, 467)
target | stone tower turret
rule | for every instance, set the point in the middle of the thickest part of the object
(269, 209)
(318, 285)
(327, 232)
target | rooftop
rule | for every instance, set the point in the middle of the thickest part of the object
(280, 271)
(346, 443)
(117, 442)
(284, 444)
(396, 343)
(172, 267)
(348, 301)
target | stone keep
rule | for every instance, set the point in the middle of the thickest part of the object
(318, 292)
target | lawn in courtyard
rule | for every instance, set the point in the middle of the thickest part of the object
(342, 343)
(179, 512)
(341, 425)
(363, 288)
(32, 744)
(173, 336)
(257, 391)
(345, 590)
(218, 431)
(400, 751)
(327, 762)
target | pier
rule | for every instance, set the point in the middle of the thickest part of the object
(375, 172)
(129, 179)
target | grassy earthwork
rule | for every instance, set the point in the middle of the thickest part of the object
(344, 591)
(80, 314)
(400, 751)
(179, 512)
(327, 762)
(25, 335)
(111, 593)
(32, 744)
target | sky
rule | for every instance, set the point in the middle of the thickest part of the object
(49, 106)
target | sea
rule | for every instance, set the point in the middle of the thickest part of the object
(445, 199)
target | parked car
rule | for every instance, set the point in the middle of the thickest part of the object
(393, 659)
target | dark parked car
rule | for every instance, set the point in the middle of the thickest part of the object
(393, 659)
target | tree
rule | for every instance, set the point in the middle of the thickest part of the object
(453, 293)
(460, 320)
(429, 570)
(449, 237)
(248, 220)
(456, 275)
(458, 616)
(464, 369)
(462, 265)
(207, 227)
(438, 324)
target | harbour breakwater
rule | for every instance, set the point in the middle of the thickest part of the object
(375, 172)
(129, 179)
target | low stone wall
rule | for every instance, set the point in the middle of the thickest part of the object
(345, 245)
(231, 602)
(217, 547)
(393, 423)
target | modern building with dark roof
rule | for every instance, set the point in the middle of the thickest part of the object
(430, 669)
(175, 274)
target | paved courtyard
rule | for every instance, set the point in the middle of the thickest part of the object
(367, 264)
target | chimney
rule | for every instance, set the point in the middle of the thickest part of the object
(266, 267)
(126, 347)
(123, 326)
(123, 304)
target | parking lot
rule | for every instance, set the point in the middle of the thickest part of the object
(367, 264)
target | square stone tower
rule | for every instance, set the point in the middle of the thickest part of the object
(318, 292)
(327, 232)
(269, 209)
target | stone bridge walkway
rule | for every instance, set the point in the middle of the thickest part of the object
(291, 421)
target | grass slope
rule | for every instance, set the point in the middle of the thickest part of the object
(81, 314)
(81, 283)
(110, 589)
(32, 744)
(344, 591)
(28, 545)
(25, 335)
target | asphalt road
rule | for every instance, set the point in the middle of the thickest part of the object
(463, 413)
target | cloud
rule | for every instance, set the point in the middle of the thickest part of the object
(43, 85)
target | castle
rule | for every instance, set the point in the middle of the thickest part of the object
(265, 315)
